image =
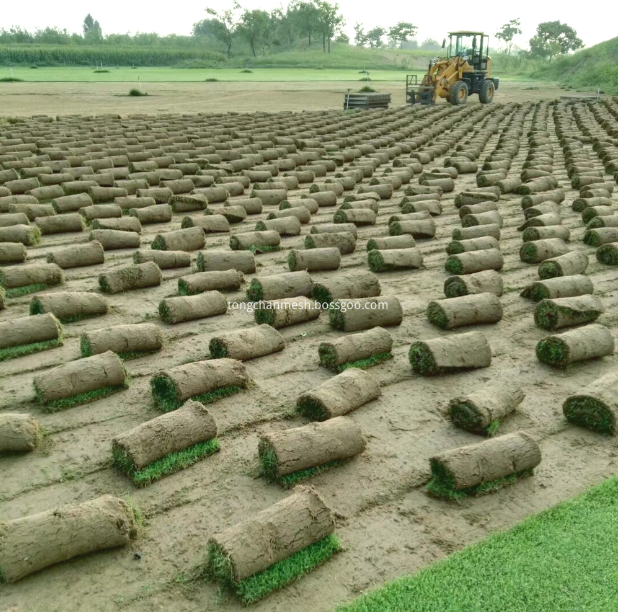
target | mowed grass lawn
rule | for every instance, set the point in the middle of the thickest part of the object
(178, 75)
(562, 560)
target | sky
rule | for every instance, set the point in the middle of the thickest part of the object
(433, 19)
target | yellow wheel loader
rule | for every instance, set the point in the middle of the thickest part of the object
(465, 70)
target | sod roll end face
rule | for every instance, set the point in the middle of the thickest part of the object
(588, 342)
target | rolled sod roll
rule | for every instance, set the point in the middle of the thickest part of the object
(359, 284)
(417, 229)
(244, 344)
(556, 313)
(310, 204)
(358, 216)
(473, 244)
(542, 233)
(464, 310)
(160, 213)
(588, 342)
(179, 185)
(387, 243)
(288, 284)
(299, 521)
(476, 231)
(19, 433)
(464, 469)
(384, 190)
(328, 258)
(20, 186)
(58, 224)
(165, 435)
(12, 252)
(188, 203)
(595, 406)
(69, 306)
(210, 224)
(188, 308)
(100, 211)
(252, 206)
(336, 187)
(210, 261)
(78, 379)
(474, 261)
(601, 235)
(233, 214)
(339, 395)
(574, 262)
(475, 209)
(106, 194)
(43, 274)
(34, 542)
(481, 411)
(78, 255)
(538, 251)
(199, 380)
(125, 340)
(364, 313)
(166, 260)
(492, 217)
(488, 281)
(136, 276)
(115, 239)
(542, 209)
(289, 451)
(71, 203)
(28, 235)
(334, 228)
(603, 222)
(442, 355)
(6, 220)
(323, 198)
(559, 287)
(270, 197)
(363, 204)
(287, 311)
(123, 224)
(258, 241)
(473, 197)
(287, 226)
(433, 207)
(301, 213)
(190, 239)
(545, 220)
(394, 259)
(344, 241)
(27, 331)
(371, 346)
(208, 281)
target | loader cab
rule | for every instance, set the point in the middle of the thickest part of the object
(471, 46)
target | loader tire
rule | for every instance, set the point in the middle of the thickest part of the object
(486, 92)
(458, 94)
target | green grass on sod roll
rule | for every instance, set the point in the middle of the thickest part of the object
(275, 577)
(265, 316)
(595, 223)
(166, 396)
(254, 292)
(256, 249)
(528, 252)
(530, 234)
(590, 413)
(327, 359)
(536, 292)
(12, 352)
(27, 289)
(465, 417)
(608, 255)
(81, 398)
(422, 361)
(546, 315)
(321, 294)
(158, 244)
(555, 561)
(592, 239)
(456, 288)
(436, 316)
(549, 269)
(310, 409)
(170, 464)
(336, 318)
(552, 351)
(453, 265)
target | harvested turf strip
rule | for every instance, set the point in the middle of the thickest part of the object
(81, 398)
(174, 462)
(547, 313)
(277, 576)
(12, 352)
(26, 290)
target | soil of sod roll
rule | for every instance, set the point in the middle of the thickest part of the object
(189, 308)
(575, 262)
(19, 433)
(359, 284)
(203, 381)
(484, 467)
(166, 444)
(328, 258)
(166, 260)
(293, 455)
(361, 350)
(80, 382)
(23, 280)
(552, 314)
(34, 542)
(136, 276)
(443, 355)
(474, 261)
(288, 284)
(558, 287)
(70, 306)
(127, 341)
(488, 281)
(244, 344)
(274, 548)
(588, 342)
(365, 313)
(339, 395)
(19, 337)
(595, 407)
(286, 312)
(394, 259)
(483, 411)
(472, 309)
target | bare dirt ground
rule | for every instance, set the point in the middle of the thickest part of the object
(387, 523)
(27, 99)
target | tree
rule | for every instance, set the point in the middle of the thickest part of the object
(223, 25)
(554, 38)
(342, 37)
(253, 27)
(430, 44)
(92, 29)
(374, 37)
(401, 31)
(305, 18)
(508, 31)
(360, 38)
(329, 21)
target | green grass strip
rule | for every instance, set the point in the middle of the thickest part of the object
(553, 351)
(254, 292)
(557, 561)
(436, 315)
(590, 413)
(81, 398)
(11, 352)
(453, 265)
(166, 398)
(608, 255)
(547, 313)
(170, 464)
(275, 577)
(27, 289)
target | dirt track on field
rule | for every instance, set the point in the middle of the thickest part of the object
(387, 523)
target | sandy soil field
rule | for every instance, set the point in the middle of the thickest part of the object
(387, 523)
